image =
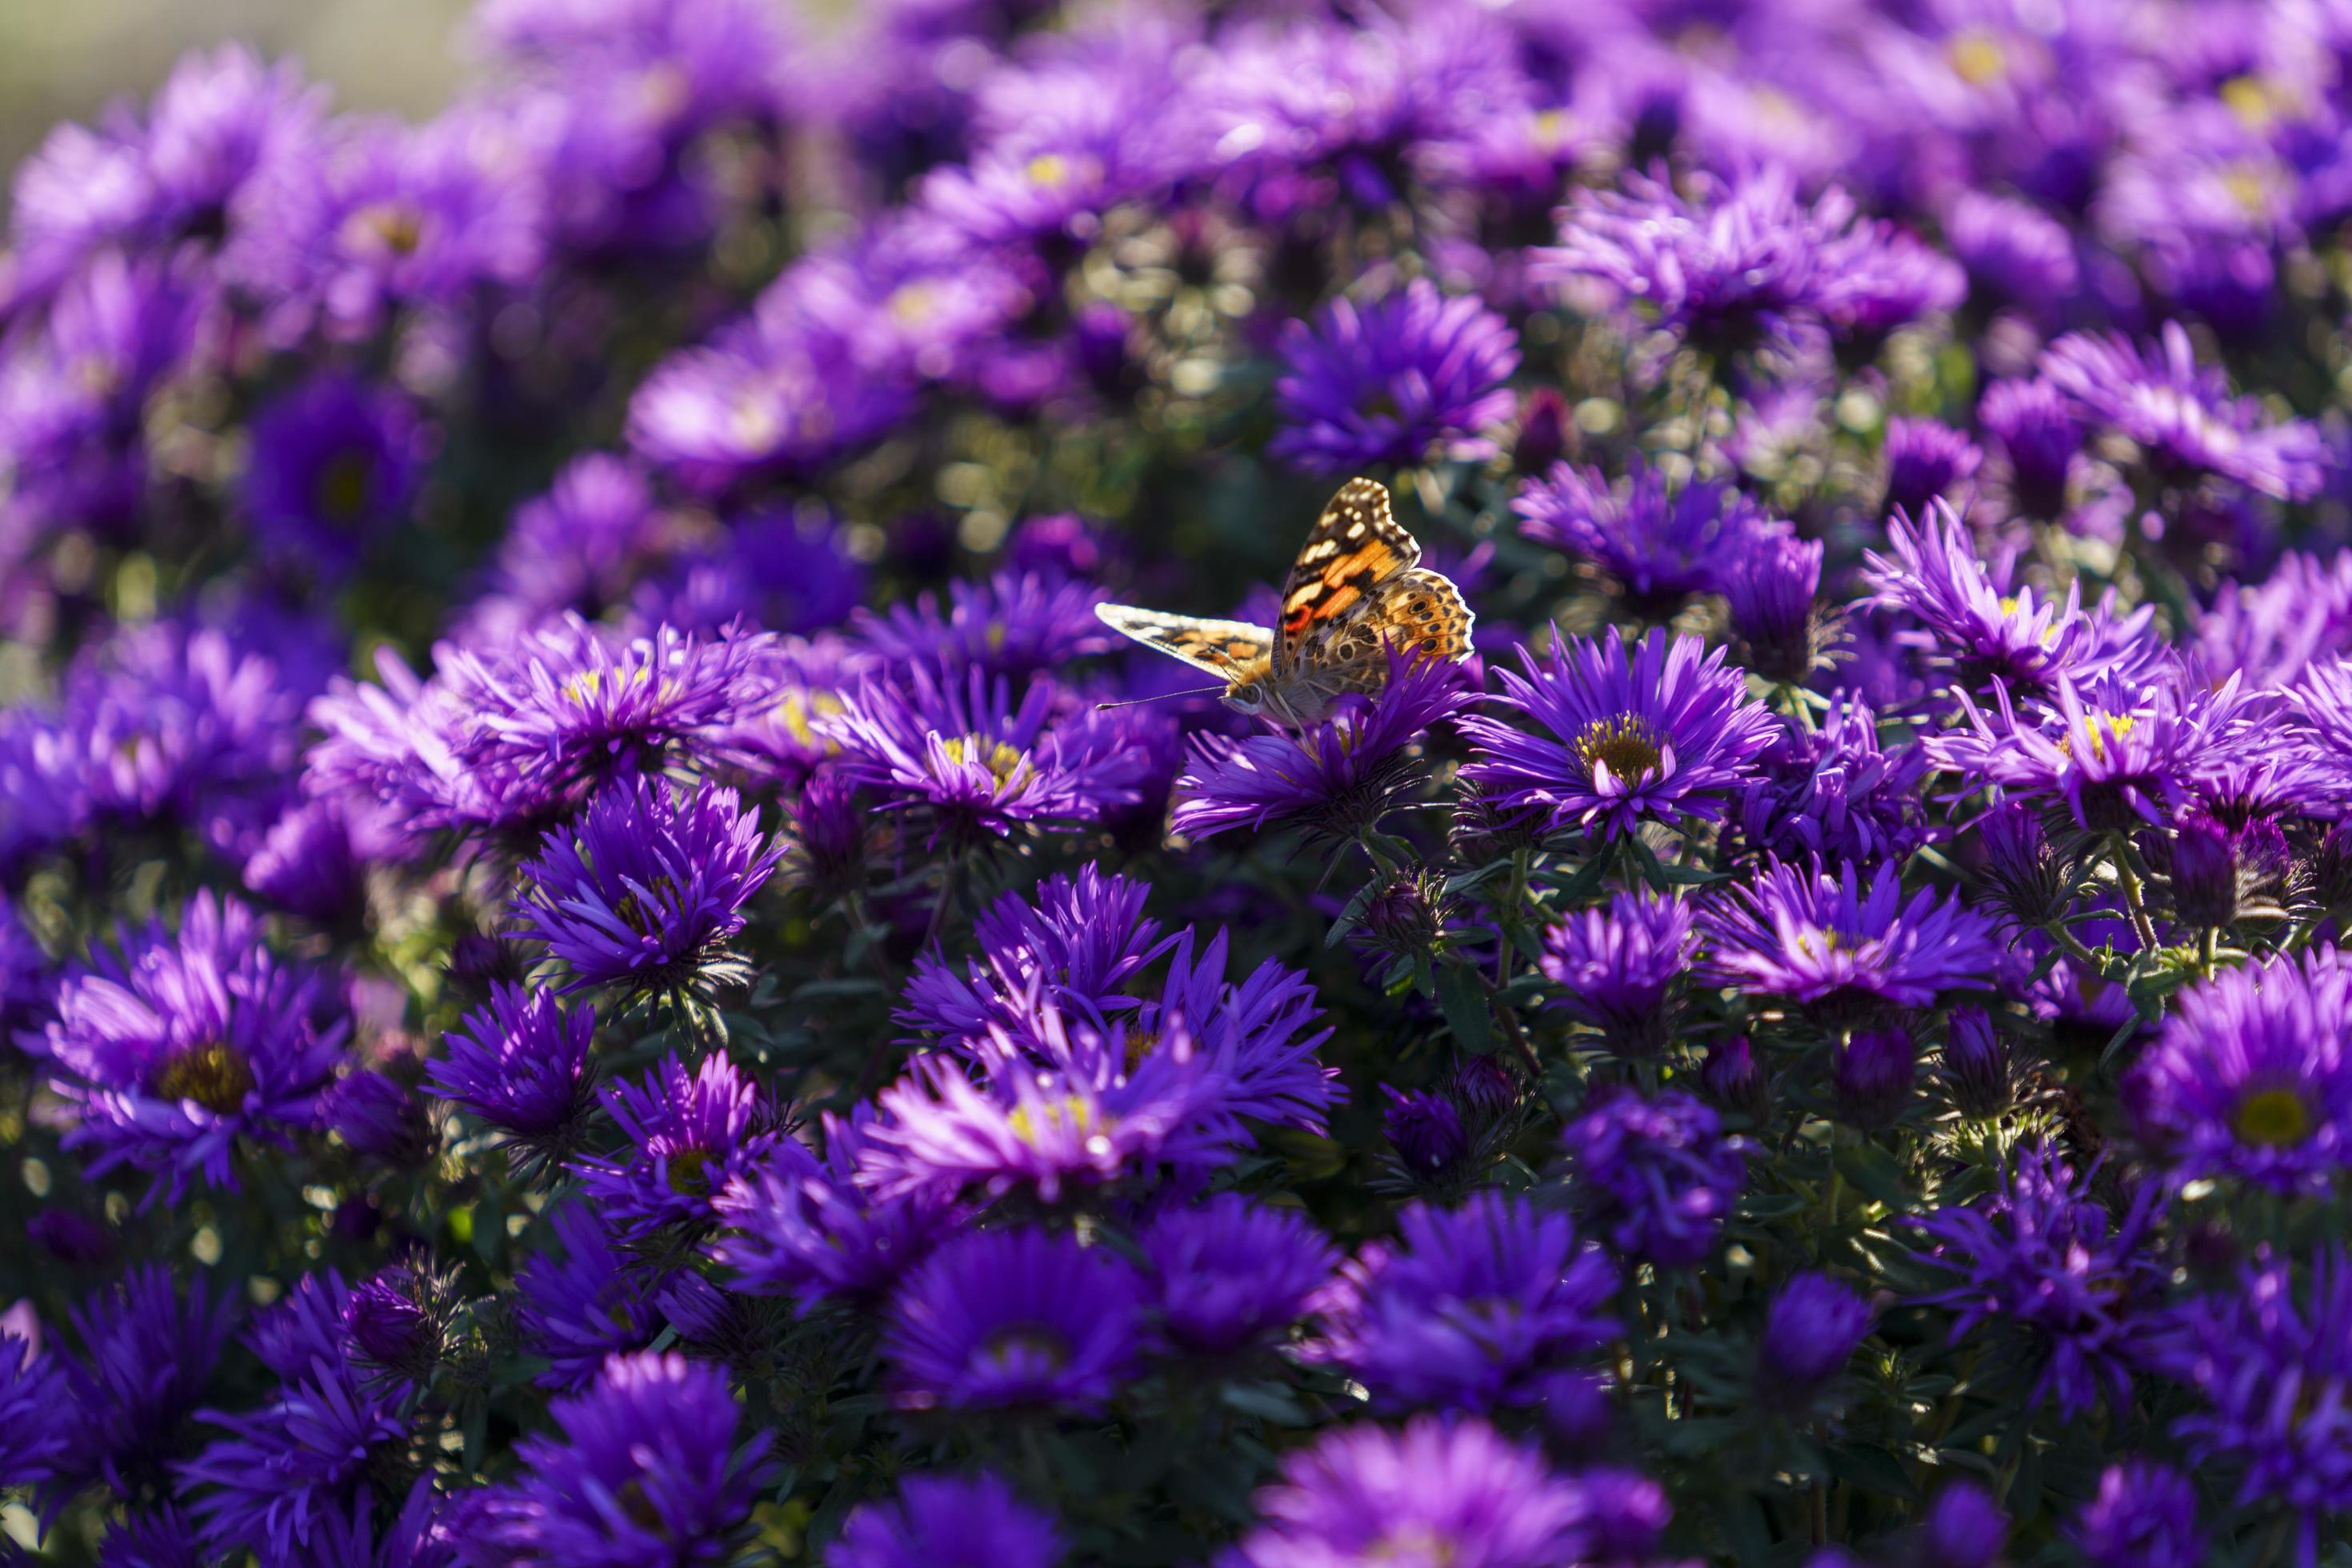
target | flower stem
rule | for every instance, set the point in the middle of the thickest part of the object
(1510, 1022)
(2119, 852)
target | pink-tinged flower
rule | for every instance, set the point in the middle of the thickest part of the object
(1835, 943)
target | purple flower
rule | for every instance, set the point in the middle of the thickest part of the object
(160, 1538)
(182, 1044)
(1660, 735)
(588, 1304)
(2276, 632)
(2036, 430)
(2144, 1516)
(147, 1350)
(2182, 415)
(335, 463)
(647, 1472)
(1835, 793)
(2250, 1079)
(1978, 1072)
(1425, 1130)
(949, 1522)
(36, 1407)
(1012, 624)
(582, 545)
(290, 1470)
(1732, 1081)
(1011, 1319)
(521, 1065)
(1658, 546)
(1230, 1274)
(813, 1230)
(1385, 383)
(1337, 775)
(312, 862)
(2015, 253)
(648, 890)
(1435, 1491)
(1875, 1078)
(381, 1118)
(759, 401)
(688, 1136)
(1964, 1527)
(1619, 967)
(2043, 1260)
(1655, 1176)
(1833, 943)
(968, 765)
(1924, 462)
(1080, 940)
(784, 571)
(1811, 1330)
(1769, 593)
(1470, 1306)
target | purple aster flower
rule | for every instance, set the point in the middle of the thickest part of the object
(815, 1231)
(2182, 415)
(1387, 382)
(2043, 1260)
(689, 1137)
(645, 892)
(1425, 1130)
(969, 765)
(312, 862)
(2025, 877)
(2016, 254)
(382, 1118)
(1732, 1081)
(1875, 1078)
(1470, 1305)
(1011, 1319)
(2218, 875)
(2144, 1516)
(1833, 792)
(25, 972)
(36, 1407)
(582, 545)
(395, 1319)
(520, 1063)
(1337, 775)
(182, 1043)
(647, 1470)
(147, 1350)
(2250, 1079)
(1835, 945)
(1811, 1330)
(1874, 277)
(1081, 938)
(759, 401)
(1978, 1071)
(2268, 1359)
(1259, 1034)
(2274, 632)
(563, 704)
(160, 1539)
(782, 570)
(949, 1522)
(2034, 427)
(1012, 624)
(322, 1448)
(1658, 546)
(585, 1305)
(1436, 1491)
(1769, 593)
(1659, 735)
(335, 463)
(1963, 1529)
(1926, 461)
(1230, 1274)
(1620, 967)
(1657, 1176)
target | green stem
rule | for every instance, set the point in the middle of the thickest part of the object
(2119, 854)
(1510, 1022)
(2071, 945)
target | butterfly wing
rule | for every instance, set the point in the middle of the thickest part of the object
(1230, 650)
(1354, 548)
(1419, 614)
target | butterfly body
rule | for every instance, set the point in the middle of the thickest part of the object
(1356, 591)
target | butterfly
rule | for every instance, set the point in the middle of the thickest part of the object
(1355, 590)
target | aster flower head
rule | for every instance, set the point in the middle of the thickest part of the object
(1982, 628)
(1835, 791)
(381, 1117)
(520, 1063)
(1620, 967)
(1978, 1071)
(36, 1403)
(1427, 1132)
(178, 1045)
(759, 400)
(1658, 545)
(647, 1470)
(2182, 415)
(147, 1347)
(1082, 937)
(579, 546)
(969, 765)
(1769, 595)
(1007, 1319)
(2144, 1516)
(2250, 1079)
(1469, 1305)
(813, 1230)
(1384, 383)
(949, 1522)
(1437, 1491)
(689, 1135)
(335, 462)
(1837, 943)
(1335, 776)
(2026, 878)
(2043, 1260)
(647, 888)
(2016, 254)
(1013, 625)
(585, 1303)
(788, 570)
(2034, 427)
(1659, 734)
(1812, 1327)
(1964, 1527)
(1654, 1175)
(1926, 461)
(323, 1448)
(1230, 1274)
(1874, 1076)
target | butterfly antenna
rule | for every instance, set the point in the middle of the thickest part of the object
(1131, 701)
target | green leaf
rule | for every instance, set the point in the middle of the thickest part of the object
(1268, 1402)
(1463, 1002)
(1871, 1470)
(1873, 1170)
(1588, 878)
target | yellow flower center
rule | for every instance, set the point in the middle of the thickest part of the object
(1001, 760)
(1977, 56)
(1048, 170)
(2272, 1118)
(216, 1077)
(1624, 745)
(1069, 1113)
(2100, 728)
(395, 228)
(799, 706)
(341, 492)
(911, 304)
(689, 1172)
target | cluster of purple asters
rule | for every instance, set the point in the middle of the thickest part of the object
(1735, 954)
